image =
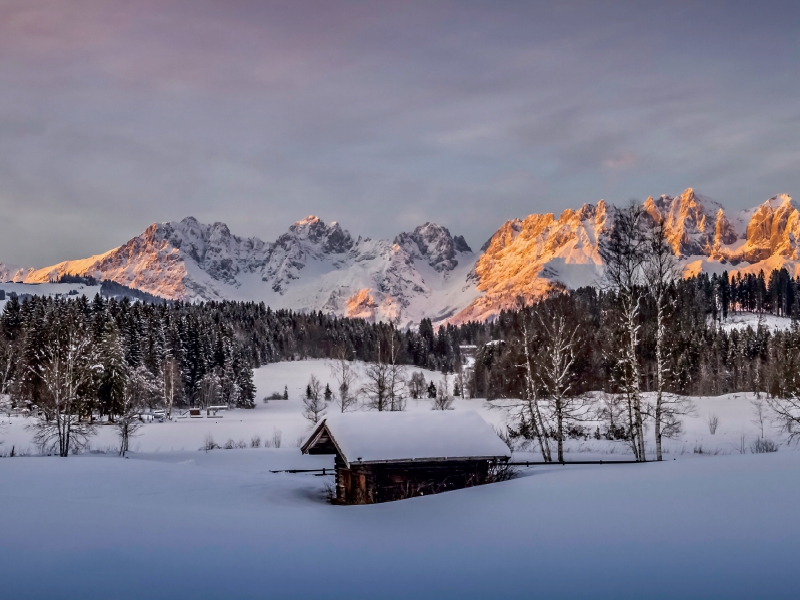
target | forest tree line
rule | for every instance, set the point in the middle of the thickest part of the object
(110, 357)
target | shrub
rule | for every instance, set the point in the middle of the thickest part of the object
(501, 471)
(762, 445)
(275, 442)
(713, 423)
(209, 443)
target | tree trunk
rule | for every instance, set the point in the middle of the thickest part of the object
(633, 333)
(560, 419)
(533, 407)
(659, 373)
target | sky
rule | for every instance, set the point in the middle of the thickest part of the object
(115, 114)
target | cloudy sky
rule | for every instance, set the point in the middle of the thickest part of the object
(381, 115)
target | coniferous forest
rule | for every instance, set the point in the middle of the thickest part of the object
(216, 345)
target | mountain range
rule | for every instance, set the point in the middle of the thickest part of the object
(427, 272)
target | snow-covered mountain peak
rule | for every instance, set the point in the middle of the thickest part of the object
(780, 201)
(428, 272)
(692, 222)
(309, 220)
(317, 238)
(433, 244)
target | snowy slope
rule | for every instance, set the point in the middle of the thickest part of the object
(47, 289)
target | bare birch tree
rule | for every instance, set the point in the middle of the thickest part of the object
(396, 379)
(660, 270)
(209, 390)
(345, 377)
(417, 385)
(8, 359)
(556, 361)
(385, 387)
(141, 389)
(786, 411)
(66, 368)
(172, 383)
(622, 251)
(376, 386)
(315, 405)
(444, 399)
(530, 409)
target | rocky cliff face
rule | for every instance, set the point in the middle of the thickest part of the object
(695, 224)
(313, 266)
(527, 257)
(772, 230)
(428, 272)
(433, 244)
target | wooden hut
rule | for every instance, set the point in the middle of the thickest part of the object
(383, 456)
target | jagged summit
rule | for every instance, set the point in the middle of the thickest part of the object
(313, 266)
(526, 257)
(433, 244)
(428, 272)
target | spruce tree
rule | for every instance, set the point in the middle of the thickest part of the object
(113, 378)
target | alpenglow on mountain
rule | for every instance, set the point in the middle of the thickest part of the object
(427, 272)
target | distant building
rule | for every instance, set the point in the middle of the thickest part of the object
(384, 456)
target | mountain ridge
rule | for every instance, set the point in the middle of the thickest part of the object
(428, 272)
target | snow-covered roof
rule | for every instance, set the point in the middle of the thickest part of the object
(370, 437)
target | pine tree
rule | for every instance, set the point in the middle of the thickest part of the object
(113, 378)
(244, 381)
(11, 319)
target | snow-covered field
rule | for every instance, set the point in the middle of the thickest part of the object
(742, 320)
(172, 521)
(285, 417)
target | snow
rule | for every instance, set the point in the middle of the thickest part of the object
(284, 417)
(315, 266)
(744, 320)
(275, 416)
(425, 273)
(368, 437)
(219, 524)
(47, 289)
